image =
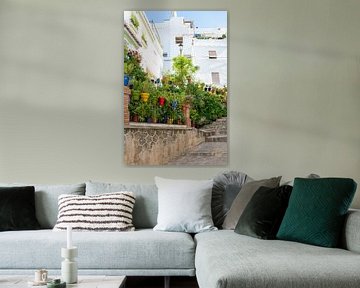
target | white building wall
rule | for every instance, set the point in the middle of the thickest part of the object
(211, 32)
(196, 49)
(207, 65)
(151, 51)
(170, 29)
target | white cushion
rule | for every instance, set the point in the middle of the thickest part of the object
(184, 205)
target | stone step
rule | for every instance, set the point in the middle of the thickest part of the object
(216, 138)
(207, 132)
(219, 126)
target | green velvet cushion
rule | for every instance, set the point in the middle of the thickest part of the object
(316, 211)
(17, 208)
(263, 214)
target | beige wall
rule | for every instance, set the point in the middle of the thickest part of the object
(294, 78)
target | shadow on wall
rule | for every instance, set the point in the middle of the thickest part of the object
(38, 142)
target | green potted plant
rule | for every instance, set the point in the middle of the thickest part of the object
(142, 110)
(135, 92)
(128, 68)
(155, 110)
(134, 21)
(143, 37)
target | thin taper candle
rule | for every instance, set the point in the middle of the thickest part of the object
(69, 237)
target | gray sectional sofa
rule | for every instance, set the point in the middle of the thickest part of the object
(219, 259)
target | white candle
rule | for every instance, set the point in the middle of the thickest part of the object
(69, 237)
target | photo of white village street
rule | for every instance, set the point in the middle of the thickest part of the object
(175, 88)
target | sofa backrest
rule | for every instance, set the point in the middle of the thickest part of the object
(146, 203)
(46, 200)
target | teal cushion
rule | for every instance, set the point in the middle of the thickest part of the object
(316, 211)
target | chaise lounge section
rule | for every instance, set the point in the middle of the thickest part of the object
(225, 259)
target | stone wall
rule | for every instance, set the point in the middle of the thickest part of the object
(157, 144)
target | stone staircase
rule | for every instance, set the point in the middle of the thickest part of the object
(215, 131)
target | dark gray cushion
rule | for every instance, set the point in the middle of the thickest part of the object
(243, 198)
(263, 214)
(225, 189)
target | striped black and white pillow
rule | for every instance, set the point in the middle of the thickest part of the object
(105, 212)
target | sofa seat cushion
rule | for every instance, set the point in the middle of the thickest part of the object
(226, 259)
(142, 249)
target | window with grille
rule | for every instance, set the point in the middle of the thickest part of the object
(212, 54)
(215, 77)
(179, 39)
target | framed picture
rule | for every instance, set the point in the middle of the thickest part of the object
(175, 88)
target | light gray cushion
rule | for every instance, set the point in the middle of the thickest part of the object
(225, 259)
(146, 204)
(46, 200)
(184, 205)
(243, 198)
(143, 249)
(351, 231)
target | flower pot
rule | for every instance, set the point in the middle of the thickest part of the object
(170, 121)
(165, 79)
(135, 118)
(145, 96)
(174, 104)
(161, 101)
(126, 80)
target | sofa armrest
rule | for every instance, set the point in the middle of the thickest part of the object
(351, 234)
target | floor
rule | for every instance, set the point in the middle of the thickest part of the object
(158, 282)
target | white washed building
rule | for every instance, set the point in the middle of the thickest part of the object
(141, 35)
(173, 33)
(207, 47)
(211, 57)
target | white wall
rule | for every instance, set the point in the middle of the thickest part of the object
(151, 51)
(207, 65)
(170, 29)
(294, 74)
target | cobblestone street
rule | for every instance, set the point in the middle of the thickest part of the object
(212, 152)
(207, 153)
